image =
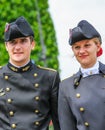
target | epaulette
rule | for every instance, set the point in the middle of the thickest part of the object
(45, 68)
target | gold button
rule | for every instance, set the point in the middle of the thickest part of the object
(77, 83)
(78, 95)
(9, 100)
(36, 85)
(35, 74)
(82, 109)
(7, 89)
(86, 124)
(0, 67)
(37, 123)
(37, 98)
(104, 76)
(6, 77)
(36, 111)
(13, 126)
(11, 113)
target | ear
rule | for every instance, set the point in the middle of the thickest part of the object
(33, 45)
(98, 46)
(6, 46)
(99, 50)
(72, 48)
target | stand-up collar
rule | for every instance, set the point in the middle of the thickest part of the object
(20, 69)
(79, 75)
(90, 71)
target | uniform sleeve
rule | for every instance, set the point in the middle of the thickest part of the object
(54, 101)
(66, 118)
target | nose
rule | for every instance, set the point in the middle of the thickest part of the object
(17, 46)
(82, 50)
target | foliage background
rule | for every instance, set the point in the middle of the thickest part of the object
(37, 13)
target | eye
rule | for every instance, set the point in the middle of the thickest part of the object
(77, 47)
(13, 42)
(87, 45)
(24, 40)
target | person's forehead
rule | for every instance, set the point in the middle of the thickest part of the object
(21, 38)
(83, 42)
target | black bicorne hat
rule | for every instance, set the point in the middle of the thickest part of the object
(17, 29)
(84, 30)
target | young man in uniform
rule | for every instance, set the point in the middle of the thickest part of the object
(28, 93)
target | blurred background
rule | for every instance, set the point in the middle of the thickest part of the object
(66, 14)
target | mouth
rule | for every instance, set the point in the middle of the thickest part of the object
(18, 53)
(83, 56)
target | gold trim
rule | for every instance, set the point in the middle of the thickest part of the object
(41, 67)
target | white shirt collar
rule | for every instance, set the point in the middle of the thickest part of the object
(90, 71)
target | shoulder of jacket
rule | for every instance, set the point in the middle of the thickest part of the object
(69, 77)
(45, 68)
(1, 67)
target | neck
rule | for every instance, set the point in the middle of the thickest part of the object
(96, 64)
(18, 65)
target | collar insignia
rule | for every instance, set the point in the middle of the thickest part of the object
(21, 69)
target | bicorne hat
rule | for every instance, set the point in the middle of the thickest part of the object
(19, 28)
(84, 30)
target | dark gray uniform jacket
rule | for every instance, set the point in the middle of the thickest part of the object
(82, 102)
(28, 98)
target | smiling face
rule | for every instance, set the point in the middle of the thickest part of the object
(85, 52)
(19, 50)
